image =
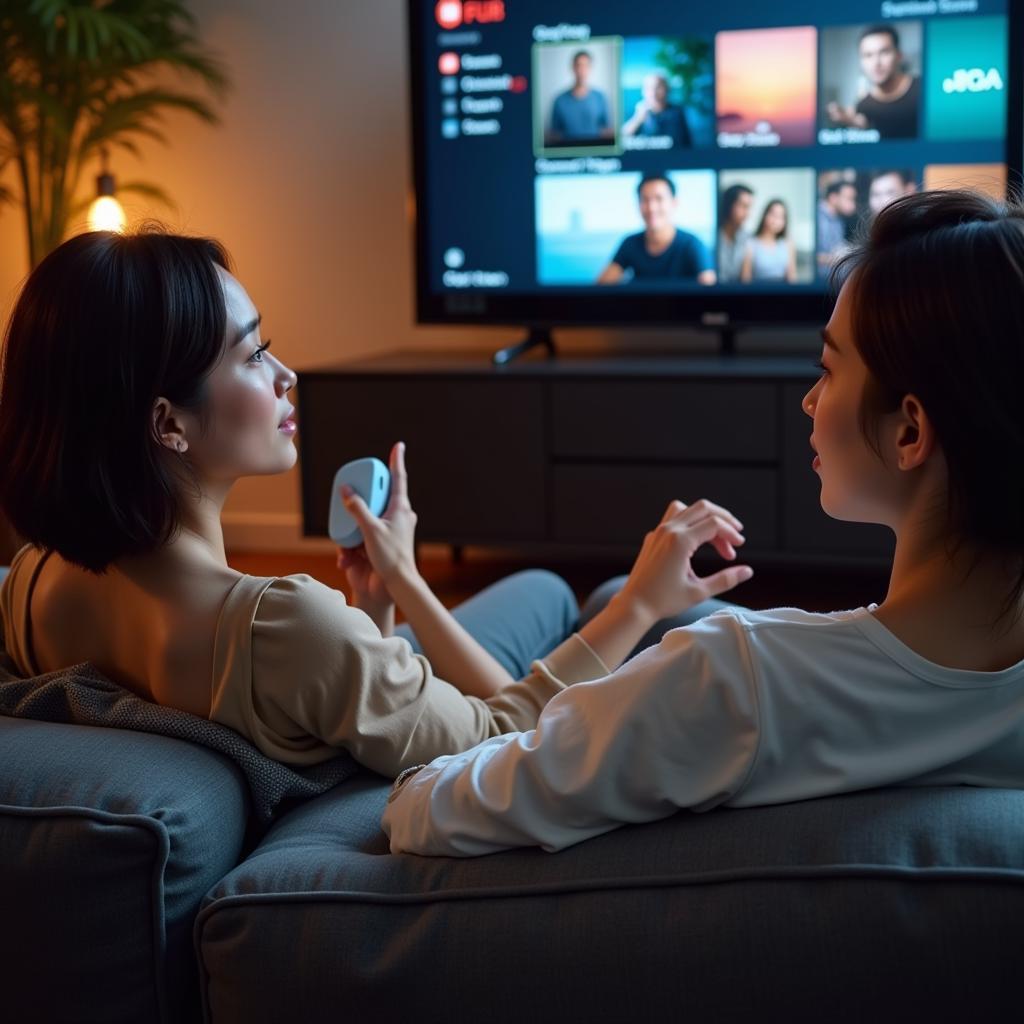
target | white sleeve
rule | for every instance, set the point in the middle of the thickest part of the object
(676, 726)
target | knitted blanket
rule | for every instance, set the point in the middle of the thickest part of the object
(81, 695)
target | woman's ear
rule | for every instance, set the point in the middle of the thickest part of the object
(167, 427)
(915, 436)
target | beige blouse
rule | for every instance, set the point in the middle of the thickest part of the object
(300, 673)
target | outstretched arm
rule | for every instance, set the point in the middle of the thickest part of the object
(661, 583)
(666, 731)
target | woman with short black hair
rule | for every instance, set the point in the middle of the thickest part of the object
(136, 390)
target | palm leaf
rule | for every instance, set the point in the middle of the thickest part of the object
(71, 26)
(150, 191)
(77, 75)
(128, 145)
(114, 120)
(7, 194)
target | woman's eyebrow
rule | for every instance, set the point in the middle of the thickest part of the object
(829, 340)
(247, 329)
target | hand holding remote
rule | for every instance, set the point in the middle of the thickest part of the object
(388, 539)
(369, 478)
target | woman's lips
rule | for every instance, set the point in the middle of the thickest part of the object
(289, 426)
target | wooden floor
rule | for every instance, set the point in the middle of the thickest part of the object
(823, 589)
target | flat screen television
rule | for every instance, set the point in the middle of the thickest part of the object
(612, 162)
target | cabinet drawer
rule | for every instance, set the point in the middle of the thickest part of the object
(605, 504)
(665, 419)
(474, 453)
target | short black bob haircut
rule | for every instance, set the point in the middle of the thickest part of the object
(105, 325)
(938, 311)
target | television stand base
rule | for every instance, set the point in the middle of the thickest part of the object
(535, 336)
(727, 337)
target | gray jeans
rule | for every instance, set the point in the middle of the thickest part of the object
(528, 614)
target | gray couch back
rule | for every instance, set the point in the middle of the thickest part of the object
(893, 904)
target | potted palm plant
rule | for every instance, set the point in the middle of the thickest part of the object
(78, 77)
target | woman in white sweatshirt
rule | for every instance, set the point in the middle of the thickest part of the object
(917, 422)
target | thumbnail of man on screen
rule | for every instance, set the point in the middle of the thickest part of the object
(835, 210)
(654, 115)
(894, 96)
(886, 186)
(661, 250)
(580, 113)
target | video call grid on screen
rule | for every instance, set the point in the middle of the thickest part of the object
(576, 147)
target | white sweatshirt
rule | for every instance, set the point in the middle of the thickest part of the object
(741, 708)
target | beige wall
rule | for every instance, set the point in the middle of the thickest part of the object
(307, 183)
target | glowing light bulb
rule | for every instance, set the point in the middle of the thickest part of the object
(106, 214)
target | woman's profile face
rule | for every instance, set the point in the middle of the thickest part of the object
(855, 484)
(250, 417)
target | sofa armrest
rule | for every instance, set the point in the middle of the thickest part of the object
(108, 840)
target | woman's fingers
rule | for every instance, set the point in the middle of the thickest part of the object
(713, 529)
(726, 579)
(399, 477)
(356, 508)
(674, 508)
(398, 498)
(348, 557)
(700, 509)
(724, 548)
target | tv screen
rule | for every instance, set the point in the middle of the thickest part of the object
(597, 161)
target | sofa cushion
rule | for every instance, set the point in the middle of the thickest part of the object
(863, 907)
(108, 840)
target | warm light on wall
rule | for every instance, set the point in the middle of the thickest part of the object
(106, 213)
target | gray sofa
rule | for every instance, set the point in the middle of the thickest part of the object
(128, 893)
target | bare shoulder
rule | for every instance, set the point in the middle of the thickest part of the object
(151, 631)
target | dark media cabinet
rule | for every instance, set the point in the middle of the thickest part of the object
(581, 453)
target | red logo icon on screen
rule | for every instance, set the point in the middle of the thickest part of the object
(483, 11)
(448, 63)
(452, 13)
(449, 13)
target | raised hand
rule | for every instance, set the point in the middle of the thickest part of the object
(388, 540)
(662, 582)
